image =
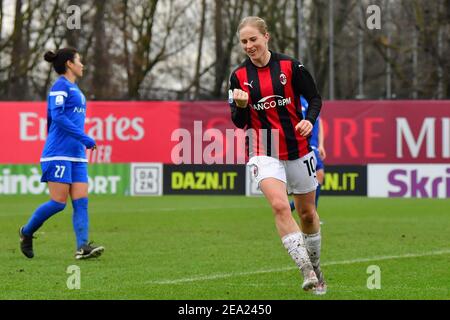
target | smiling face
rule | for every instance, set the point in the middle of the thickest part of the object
(254, 43)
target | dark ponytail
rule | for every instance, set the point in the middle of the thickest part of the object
(50, 56)
(60, 58)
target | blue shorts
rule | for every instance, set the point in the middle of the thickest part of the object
(319, 162)
(64, 171)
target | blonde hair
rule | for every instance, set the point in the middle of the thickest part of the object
(254, 21)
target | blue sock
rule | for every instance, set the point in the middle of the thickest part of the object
(292, 204)
(45, 211)
(80, 221)
(317, 195)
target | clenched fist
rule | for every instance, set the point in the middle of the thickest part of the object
(240, 97)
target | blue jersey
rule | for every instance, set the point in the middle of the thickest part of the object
(314, 140)
(66, 113)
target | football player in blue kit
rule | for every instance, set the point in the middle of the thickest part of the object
(63, 160)
(316, 141)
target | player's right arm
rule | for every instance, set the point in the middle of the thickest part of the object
(238, 100)
(57, 100)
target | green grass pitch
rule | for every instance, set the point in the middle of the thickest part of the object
(223, 247)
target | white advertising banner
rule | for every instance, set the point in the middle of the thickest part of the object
(409, 180)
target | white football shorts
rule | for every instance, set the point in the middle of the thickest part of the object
(299, 175)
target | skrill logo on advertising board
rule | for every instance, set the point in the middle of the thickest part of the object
(409, 181)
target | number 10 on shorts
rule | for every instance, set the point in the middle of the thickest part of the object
(310, 165)
(59, 173)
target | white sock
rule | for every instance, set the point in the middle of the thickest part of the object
(295, 246)
(312, 244)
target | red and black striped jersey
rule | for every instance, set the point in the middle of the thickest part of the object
(274, 107)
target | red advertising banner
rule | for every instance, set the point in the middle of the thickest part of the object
(23, 128)
(362, 132)
(356, 132)
(214, 137)
(124, 131)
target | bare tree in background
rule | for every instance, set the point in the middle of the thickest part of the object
(280, 18)
(17, 75)
(413, 19)
(144, 47)
(101, 79)
(1, 33)
(226, 21)
(33, 27)
(195, 87)
(196, 81)
(180, 49)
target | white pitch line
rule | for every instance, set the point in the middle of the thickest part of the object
(203, 208)
(195, 208)
(331, 263)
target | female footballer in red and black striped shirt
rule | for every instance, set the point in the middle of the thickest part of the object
(264, 97)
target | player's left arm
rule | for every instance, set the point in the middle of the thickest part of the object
(304, 84)
(57, 103)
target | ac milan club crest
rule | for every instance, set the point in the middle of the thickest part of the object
(283, 79)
